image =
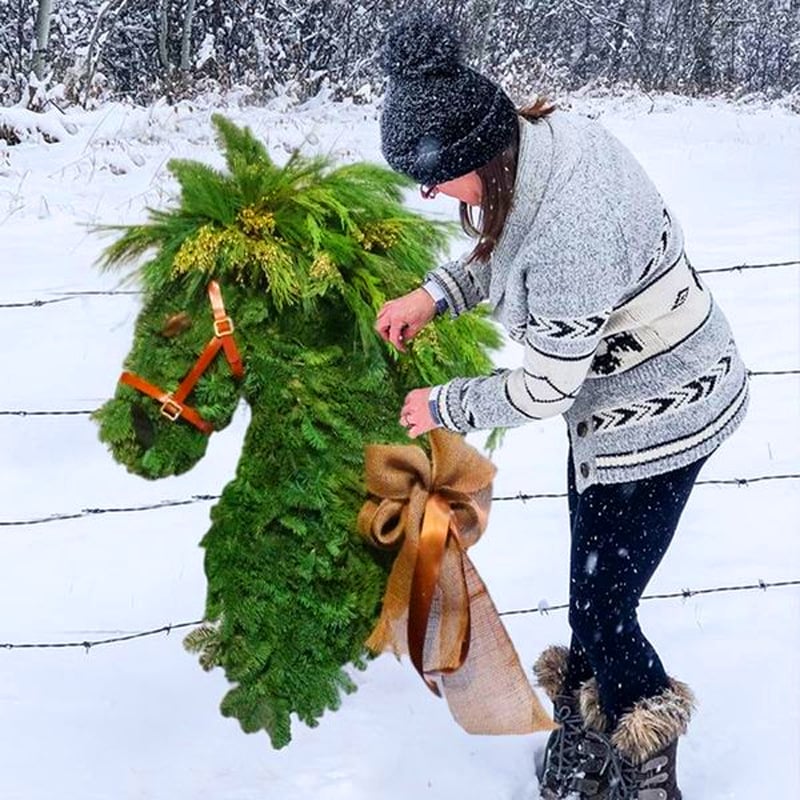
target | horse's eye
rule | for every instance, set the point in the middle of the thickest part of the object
(176, 324)
(142, 426)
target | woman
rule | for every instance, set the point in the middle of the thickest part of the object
(584, 265)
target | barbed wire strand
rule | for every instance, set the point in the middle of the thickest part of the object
(63, 296)
(740, 267)
(91, 512)
(97, 292)
(203, 498)
(720, 482)
(88, 644)
(717, 482)
(85, 412)
(80, 412)
(35, 303)
(542, 609)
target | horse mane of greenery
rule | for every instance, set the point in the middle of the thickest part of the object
(305, 254)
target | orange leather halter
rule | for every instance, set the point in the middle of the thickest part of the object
(172, 403)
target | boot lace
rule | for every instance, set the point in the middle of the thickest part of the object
(564, 754)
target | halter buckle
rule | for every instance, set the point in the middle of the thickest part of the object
(223, 327)
(171, 409)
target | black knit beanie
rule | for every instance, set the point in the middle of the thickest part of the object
(441, 119)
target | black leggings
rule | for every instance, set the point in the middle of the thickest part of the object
(620, 533)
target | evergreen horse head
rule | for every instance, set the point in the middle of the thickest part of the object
(263, 283)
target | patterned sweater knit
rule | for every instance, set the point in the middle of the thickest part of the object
(620, 335)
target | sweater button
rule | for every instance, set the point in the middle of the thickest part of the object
(582, 429)
(584, 468)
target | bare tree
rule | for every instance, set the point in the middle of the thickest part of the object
(43, 13)
(163, 32)
(703, 71)
(645, 67)
(620, 31)
(186, 36)
(107, 9)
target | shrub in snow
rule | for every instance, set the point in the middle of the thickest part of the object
(20, 125)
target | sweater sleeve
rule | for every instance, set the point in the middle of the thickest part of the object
(557, 355)
(575, 273)
(463, 284)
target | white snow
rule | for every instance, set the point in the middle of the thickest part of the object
(140, 719)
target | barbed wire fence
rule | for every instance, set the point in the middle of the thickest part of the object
(63, 297)
(207, 498)
(86, 412)
(543, 606)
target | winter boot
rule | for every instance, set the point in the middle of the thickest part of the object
(568, 764)
(640, 755)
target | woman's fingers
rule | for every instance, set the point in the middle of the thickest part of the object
(399, 335)
(392, 326)
(383, 322)
(415, 416)
(400, 320)
(385, 315)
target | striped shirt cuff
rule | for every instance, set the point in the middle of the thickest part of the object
(437, 295)
(461, 292)
(433, 407)
(445, 404)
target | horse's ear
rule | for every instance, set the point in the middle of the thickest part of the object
(239, 145)
(176, 324)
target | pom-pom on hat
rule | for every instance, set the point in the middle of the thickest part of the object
(441, 119)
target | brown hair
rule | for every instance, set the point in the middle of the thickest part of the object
(497, 179)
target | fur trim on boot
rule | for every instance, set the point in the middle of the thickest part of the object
(654, 722)
(649, 726)
(589, 699)
(550, 670)
(640, 756)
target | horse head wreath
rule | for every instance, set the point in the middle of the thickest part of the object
(296, 260)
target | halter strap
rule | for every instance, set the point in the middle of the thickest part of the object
(172, 403)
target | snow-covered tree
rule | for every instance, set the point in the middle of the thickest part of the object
(175, 48)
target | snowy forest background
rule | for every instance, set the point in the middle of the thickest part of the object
(124, 86)
(64, 52)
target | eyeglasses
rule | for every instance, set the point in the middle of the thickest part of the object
(429, 192)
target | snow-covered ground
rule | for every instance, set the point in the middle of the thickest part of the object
(141, 720)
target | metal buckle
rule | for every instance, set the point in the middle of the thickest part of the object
(223, 327)
(171, 409)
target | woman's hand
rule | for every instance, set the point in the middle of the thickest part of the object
(402, 319)
(416, 414)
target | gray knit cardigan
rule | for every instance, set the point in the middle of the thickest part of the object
(620, 335)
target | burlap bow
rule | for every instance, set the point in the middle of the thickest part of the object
(436, 607)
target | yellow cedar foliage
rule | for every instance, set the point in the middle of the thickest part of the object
(198, 252)
(380, 236)
(257, 222)
(324, 270)
(211, 247)
(428, 339)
